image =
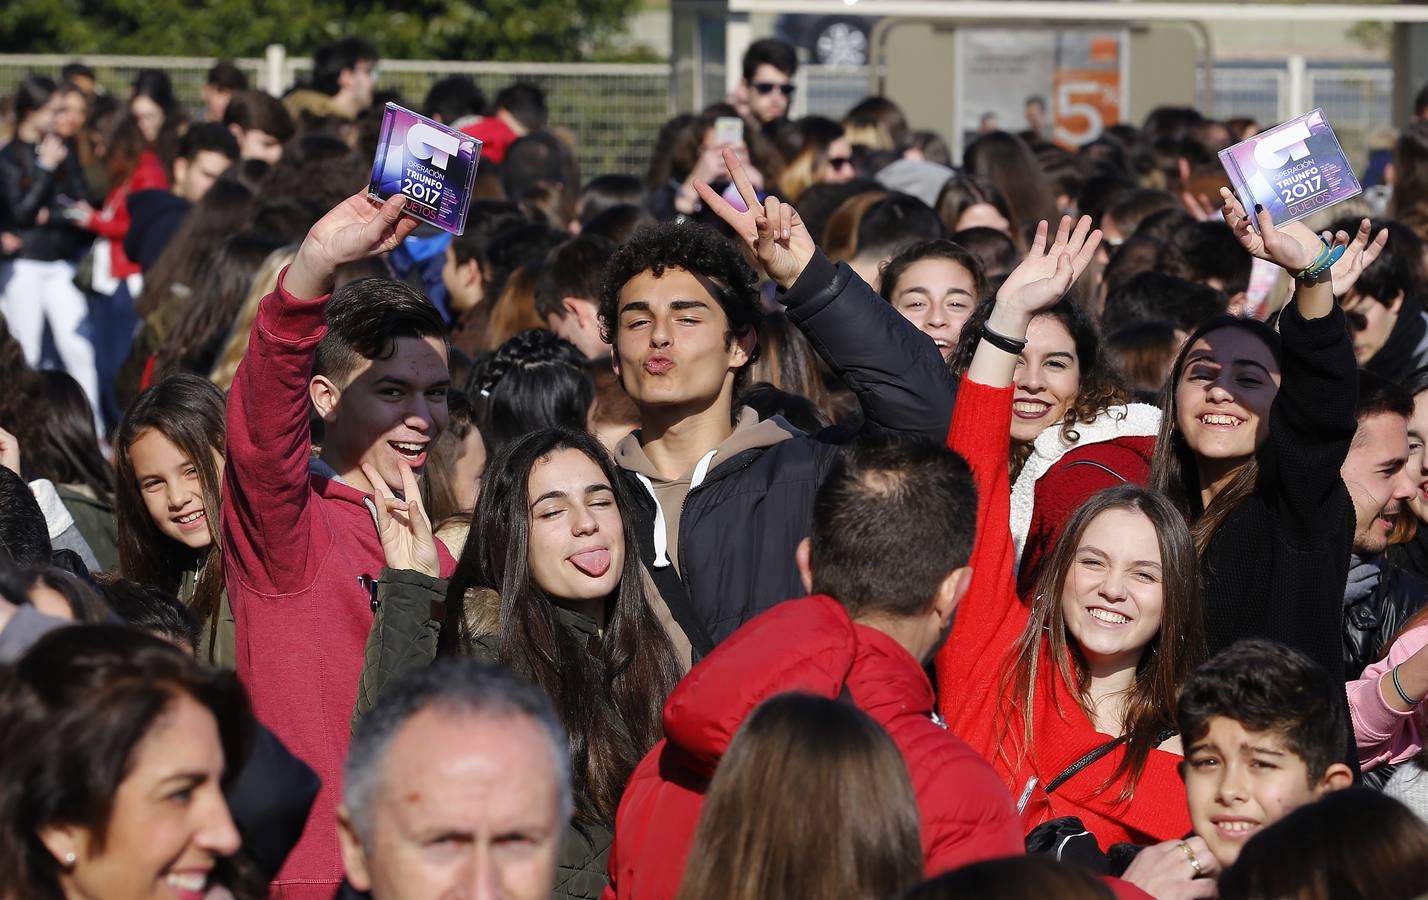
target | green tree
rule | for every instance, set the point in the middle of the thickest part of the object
(497, 30)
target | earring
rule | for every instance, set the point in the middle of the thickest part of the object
(70, 859)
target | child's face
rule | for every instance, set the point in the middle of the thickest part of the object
(173, 494)
(1239, 781)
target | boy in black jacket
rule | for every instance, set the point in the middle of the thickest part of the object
(727, 498)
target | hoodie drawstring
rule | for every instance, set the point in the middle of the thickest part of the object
(661, 524)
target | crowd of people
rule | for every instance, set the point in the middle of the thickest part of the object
(807, 516)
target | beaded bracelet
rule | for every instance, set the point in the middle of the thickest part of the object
(1402, 694)
(1011, 345)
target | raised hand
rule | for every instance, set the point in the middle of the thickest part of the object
(1047, 272)
(352, 230)
(405, 529)
(1359, 256)
(773, 229)
(1291, 248)
(51, 152)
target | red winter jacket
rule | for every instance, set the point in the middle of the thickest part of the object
(990, 619)
(112, 220)
(807, 645)
(296, 548)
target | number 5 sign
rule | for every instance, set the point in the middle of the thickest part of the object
(1084, 103)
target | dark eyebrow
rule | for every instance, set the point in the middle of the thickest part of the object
(599, 487)
(402, 382)
(1070, 356)
(635, 305)
(192, 779)
(548, 495)
(1205, 357)
(1267, 751)
(1090, 548)
(679, 305)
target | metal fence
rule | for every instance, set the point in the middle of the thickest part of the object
(614, 111)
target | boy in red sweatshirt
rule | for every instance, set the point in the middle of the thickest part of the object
(301, 549)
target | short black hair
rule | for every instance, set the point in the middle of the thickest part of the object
(574, 269)
(150, 609)
(534, 159)
(1200, 251)
(618, 223)
(517, 246)
(227, 76)
(939, 248)
(453, 98)
(697, 250)
(526, 102)
(73, 70)
(364, 320)
(1379, 395)
(770, 51)
(1399, 266)
(210, 136)
(895, 516)
(894, 223)
(1267, 686)
(1154, 295)
(23, 532)
(259, 111)
(995, 249)
(487, 220)
(608, 191)
(330, 60)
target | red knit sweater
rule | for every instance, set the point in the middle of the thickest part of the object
(970, 667)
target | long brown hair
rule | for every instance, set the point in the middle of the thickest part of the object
(1409, 201)
(609, 692)
(188, 411)
(1172, 468)
(813, 796)
(1165, 663)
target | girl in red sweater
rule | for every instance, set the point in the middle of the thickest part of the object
(1087, 665)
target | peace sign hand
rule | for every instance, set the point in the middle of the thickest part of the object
(405, 529)
(774, 230)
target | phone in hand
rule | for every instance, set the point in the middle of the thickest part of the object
(728, 130)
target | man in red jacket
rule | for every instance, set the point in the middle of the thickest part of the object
(891, 535)
(301, 551)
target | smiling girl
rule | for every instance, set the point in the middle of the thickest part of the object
(1084, 675)
(1257, 426)
(168, 467)
(1073, 430)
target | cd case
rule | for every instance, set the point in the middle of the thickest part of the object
(432, 165)
(1293, 170)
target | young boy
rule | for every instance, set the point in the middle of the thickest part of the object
(302, 553)
(1264, 730)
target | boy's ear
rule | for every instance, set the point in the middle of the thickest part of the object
(1337, 777)
(742, 349)
(325, 396)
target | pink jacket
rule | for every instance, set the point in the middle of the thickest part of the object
(300, 554)
(1383, 734)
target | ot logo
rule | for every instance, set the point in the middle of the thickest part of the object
(1278, 149)
(425, 142)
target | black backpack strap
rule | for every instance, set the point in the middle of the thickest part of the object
(1083, 762)
(676, 597)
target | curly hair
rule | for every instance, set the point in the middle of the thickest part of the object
(701, 252)
(1101, 388)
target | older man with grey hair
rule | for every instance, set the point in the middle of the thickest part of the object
(457, 784)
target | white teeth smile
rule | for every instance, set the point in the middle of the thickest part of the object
(191, 517)
(1212, 419)
(1236, 827)
(1105, 615)
(941, 343)
(405, 447)
(1030, 407)
(192, 881)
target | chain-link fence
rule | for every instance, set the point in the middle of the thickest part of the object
(614, 111)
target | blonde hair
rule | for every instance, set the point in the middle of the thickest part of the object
(264, 283)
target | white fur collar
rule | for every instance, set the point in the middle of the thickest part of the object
(1133, 419)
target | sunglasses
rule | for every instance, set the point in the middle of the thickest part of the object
(838, 162)
(768, 87)
(1357, 321)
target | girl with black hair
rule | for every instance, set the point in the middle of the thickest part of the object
(534, 380)
(550, 586)
(1257, 424)
(69, 455)
(1074, 430)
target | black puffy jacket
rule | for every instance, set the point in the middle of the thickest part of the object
(26, 190)
(1372, 621)
(741, 525)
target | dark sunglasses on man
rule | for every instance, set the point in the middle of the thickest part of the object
(768, 87)
(838, 162)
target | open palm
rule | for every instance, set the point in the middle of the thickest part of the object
(1359, 255)
(1048, 272)
(773, 229)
